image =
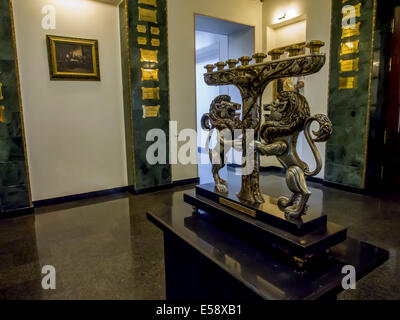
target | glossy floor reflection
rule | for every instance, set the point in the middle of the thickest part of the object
(104, 248)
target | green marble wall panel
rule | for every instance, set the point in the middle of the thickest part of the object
(14, 182)
(127, 94)
(141, 174)
(349, 108)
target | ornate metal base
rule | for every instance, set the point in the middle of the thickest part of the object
(299, 241)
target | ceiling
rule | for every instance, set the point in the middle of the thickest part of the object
(214, 25)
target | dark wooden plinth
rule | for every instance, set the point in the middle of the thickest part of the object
(267, 212)
(301, 240)
(296, 248)
(205, 262)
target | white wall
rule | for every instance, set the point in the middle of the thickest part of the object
(182, 55)
(318, 14)
(74, 129)
(286, 35)
(241, 43)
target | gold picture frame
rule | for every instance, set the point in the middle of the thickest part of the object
(290, 84)
(73, 58)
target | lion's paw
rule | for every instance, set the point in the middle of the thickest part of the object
(222, 188)
(295, 211)
(283, 202)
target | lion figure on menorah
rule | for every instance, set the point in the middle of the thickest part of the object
(285, 119)
(224, 116)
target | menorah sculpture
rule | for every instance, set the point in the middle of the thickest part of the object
(287, 228)
(290, 114)
(285, 223)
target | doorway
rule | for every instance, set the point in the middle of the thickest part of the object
(391, 173)
(217, 40)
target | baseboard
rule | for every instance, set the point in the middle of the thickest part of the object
(175, 183)
(88, 195)
(315, 180)
(281, 170)
(81, 196)
(320, 181)
(345, 188)
(16, 213)
(184, 182)
(134, 191)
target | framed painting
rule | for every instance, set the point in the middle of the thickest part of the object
(73, 58)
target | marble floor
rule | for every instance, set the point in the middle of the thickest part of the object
(104, 248)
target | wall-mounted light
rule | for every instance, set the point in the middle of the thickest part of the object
(283, 17)
(288, 14)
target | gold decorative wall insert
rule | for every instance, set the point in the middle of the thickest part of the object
(150, 93)
(2, 108)
(142, 41)
(148, 55)
(148, 2)
(349, 47)
(237, 207)
(151, 112)
(2, 118)
(348, 83)
(349, 65)
(351, 31)
(155, 31)
(147, 15)
(149, 74)
(155, 42)
(141, 28)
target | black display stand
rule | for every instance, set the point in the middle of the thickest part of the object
(219, 253)
(298, 241)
